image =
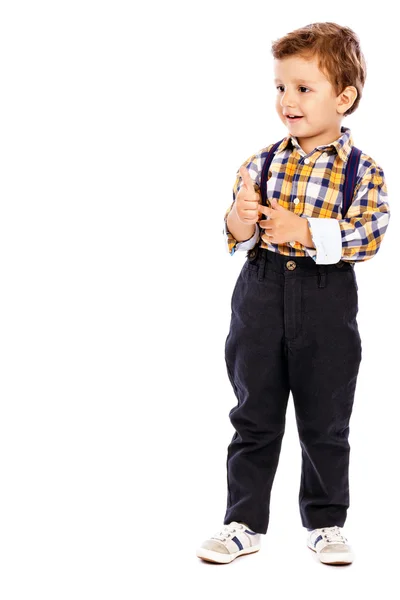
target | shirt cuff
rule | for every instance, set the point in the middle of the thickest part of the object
(232, 245)
(251, 242)
(327, 238)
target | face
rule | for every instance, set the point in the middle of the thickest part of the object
(302, 89)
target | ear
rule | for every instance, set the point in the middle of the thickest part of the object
(346, 99)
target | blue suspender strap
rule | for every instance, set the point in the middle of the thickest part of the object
(264, 172)
(350, 178)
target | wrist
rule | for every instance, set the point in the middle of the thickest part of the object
(240, 231)
(304, 236)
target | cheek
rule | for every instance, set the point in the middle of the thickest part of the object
(278, 104)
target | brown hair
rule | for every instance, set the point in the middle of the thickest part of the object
(338, 52)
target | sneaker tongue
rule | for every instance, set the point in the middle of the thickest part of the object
(237, 524)
(240, 523)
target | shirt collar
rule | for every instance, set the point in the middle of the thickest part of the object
(342, 145)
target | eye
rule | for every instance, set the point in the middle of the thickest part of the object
(302, 87)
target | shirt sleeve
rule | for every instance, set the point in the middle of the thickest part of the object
(362, 231)
(252, 164)
(232, 245)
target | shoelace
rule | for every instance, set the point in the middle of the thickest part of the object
(333, 534)
(227, 531)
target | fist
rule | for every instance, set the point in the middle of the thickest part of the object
(248, 201)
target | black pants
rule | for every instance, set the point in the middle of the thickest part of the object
(293, 328)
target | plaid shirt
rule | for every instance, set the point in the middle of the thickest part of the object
(309, 185)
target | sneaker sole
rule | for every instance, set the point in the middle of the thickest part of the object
(332, 559)
(217, 557)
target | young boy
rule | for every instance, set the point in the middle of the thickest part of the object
(294, 306)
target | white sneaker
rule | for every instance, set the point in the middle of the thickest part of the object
(233, 540)
(330, 545)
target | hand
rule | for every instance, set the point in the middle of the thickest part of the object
(282, 225)
(248, 201)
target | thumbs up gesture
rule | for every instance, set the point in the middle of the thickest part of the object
(248, 200)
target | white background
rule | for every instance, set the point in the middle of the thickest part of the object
(122, 127)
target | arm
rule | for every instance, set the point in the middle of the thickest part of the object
(241, 239)
(238, 235)
(358, 236)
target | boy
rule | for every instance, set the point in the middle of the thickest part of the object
(294, 305)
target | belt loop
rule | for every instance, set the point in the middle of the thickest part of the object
(321, 276)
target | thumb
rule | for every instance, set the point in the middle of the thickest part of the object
(247, 180)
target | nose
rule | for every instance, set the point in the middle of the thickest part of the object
(286, 99)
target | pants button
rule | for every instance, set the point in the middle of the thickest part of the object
(291, 265)
(252, 253)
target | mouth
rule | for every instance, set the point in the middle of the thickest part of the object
(293, 119)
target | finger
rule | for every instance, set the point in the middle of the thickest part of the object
(251, 205)
(265, 224)
(250, 216)
(247, 180)
(249, 221)
(267, 211)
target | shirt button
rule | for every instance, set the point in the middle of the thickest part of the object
(306, 160)
(296, 200)
(292, 243)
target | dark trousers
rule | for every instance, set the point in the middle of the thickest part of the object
(293, 328)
